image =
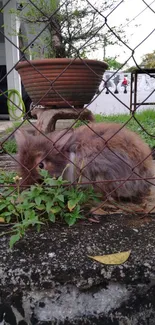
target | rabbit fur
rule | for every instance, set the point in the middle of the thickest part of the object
(97, 152)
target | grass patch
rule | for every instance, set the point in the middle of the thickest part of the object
(10, 146)
(14, 126)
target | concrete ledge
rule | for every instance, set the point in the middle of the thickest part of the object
(48, 279)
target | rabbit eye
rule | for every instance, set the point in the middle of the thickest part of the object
(41, 165)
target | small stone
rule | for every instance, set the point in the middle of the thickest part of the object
(51, 255)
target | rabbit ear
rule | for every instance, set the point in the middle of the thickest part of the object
(21, 138)
(61, 138)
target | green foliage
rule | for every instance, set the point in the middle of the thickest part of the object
(74, 25)
(6, 177)
(148, 60)
(145, 118)
(113, 63)
(10, 146)
(43, 203)
(131, 69)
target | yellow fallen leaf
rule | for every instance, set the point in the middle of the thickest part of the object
(2, 219)
(112, 259)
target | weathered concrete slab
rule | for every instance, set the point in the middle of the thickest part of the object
(49, 278)
(8, 162)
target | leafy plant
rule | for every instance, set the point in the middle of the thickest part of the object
(7, 178)
(42, 203)
(10, 146)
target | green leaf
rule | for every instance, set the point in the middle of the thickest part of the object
(3, 206)
(44, 173)
(29, 214)
(49, 204)
(27, 205)
(14, 239)
(55, 209)
(32, 222)
(60, 179)
(51, 182)
(72, 221)
(38, 200)
(5, 214)
(51, 216)
(40, 207)
(69, 220)
(8, 219)
(45, 197)
(60, 197)
(10, 207)
(71, 204)
(35, 191)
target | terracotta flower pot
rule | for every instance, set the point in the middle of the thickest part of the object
(61, 82)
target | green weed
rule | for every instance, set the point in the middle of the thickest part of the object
(9, 146)
(43, 203)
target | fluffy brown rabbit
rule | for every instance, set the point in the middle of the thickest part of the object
(118, 154)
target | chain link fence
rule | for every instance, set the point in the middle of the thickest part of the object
(108, 156)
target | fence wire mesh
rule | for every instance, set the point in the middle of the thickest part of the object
(107, 157)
